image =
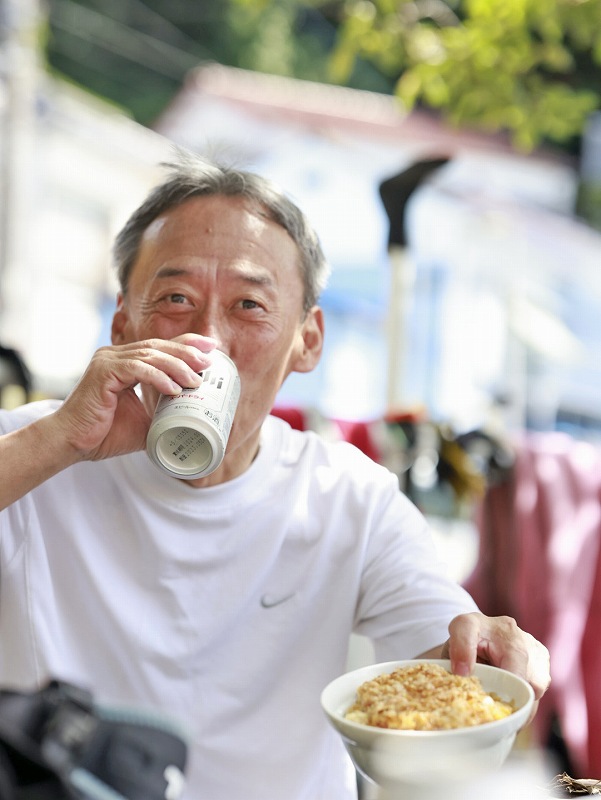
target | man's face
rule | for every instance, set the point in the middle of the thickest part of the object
(217, 266)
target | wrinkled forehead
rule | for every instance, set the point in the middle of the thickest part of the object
(219, 230)
(232, 215)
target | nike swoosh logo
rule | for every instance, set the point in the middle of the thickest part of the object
(272, 600)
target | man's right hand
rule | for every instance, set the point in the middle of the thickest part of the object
(104, 416)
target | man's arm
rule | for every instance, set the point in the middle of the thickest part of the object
(28, 457)
(103, 416)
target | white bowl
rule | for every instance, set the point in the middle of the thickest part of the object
(404, 762)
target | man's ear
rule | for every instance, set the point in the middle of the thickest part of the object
(311, 345)
(120, 324)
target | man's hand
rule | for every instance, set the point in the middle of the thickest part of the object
(103, 416)
(497, 641)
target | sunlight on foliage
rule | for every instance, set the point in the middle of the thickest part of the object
(499, 64)
(529, 67)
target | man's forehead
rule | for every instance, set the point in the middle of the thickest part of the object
(250, 214)
(229, 229)
(155, 227)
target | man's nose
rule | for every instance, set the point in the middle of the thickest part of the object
(207, 323)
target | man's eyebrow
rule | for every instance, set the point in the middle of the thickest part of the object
(171, 272)
(261, 279)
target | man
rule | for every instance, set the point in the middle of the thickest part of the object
(226, 601)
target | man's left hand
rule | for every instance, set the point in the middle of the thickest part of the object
(498, 641)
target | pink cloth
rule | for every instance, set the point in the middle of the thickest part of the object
(360, 434)
(540, 563)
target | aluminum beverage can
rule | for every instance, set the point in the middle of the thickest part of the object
(189, 431)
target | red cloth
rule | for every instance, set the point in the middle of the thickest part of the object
(358, 433)
(295, 417)
(540, 563)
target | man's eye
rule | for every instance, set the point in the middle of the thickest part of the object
(177, 298)
(249, 304)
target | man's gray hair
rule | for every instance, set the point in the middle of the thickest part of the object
(192, 176)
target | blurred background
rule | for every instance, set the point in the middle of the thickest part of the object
(496, 304)
(449, 156)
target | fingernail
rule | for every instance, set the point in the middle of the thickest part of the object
(201, 358)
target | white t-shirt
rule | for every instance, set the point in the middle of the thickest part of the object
(228, 608)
